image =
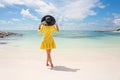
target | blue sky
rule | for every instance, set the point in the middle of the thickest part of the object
(69, 14)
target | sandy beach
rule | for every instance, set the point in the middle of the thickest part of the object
(20, 63)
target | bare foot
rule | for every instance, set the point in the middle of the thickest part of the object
(51, 65)
(47, 64)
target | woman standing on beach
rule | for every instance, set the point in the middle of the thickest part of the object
(47, 25)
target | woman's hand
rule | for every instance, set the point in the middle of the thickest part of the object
(57, 26)
(40, 26)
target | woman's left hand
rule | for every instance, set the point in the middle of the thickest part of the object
(40, 26)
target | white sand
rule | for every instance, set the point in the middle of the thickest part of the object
(18, 63)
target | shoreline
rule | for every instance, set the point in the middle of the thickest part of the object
(106, 31)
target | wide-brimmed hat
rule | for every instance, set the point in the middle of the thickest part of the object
(48, 20)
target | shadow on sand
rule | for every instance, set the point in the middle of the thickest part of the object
(63, 68)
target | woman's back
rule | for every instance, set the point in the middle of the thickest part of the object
(48, 32)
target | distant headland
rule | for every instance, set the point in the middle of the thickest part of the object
(118, 30)
(5, 34)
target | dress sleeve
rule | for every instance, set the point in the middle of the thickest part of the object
(40, 30)
(55, 29)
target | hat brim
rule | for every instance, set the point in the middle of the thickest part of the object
(53, 21)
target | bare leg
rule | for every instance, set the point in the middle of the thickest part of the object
(49, 59)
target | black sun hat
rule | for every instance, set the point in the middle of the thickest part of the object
(48, 20)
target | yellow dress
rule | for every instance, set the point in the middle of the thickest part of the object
(48, 40)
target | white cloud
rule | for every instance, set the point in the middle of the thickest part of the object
(78, 9)
(15, 19)
(24, 27)
(116, 20)
(12, 2)
(100, 5)
(64, 10)
(105, 24)
(27, 14)
(116, 15)
(5, 22)
(2, 5)
(40, 6)
(47, 9)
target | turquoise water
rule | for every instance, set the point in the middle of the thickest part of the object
(68, 39)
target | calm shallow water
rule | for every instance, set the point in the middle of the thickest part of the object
(68, 39)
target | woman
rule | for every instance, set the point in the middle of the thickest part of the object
(48, 24)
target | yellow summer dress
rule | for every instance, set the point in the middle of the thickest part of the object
(48, 41)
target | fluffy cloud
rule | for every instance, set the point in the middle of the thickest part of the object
(15, 19)
(5, 22)
(2, 5)
(64, 10)
(116, 20)
(88, 26)
(100, 5)
(47, 9)
(12, 2)
(77, 9)
(27, 14)
(40, 6)
(24, 27)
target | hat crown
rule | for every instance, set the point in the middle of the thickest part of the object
(49, 20)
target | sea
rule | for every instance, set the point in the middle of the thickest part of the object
(65, 39)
